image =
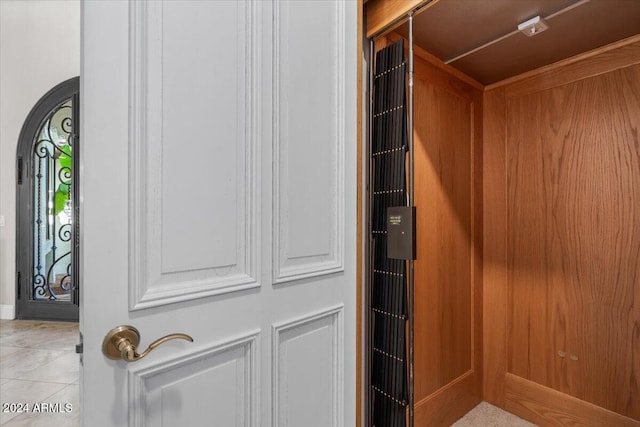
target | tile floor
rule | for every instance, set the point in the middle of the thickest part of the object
(38, 364)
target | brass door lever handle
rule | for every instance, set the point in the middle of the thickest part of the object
(122, 341)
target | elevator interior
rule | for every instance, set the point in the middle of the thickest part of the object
(526, 155)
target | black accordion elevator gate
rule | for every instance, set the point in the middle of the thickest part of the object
(388, 283)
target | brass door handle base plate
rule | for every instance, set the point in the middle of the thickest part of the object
(111, 342)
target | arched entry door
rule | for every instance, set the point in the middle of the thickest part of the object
(47, 225)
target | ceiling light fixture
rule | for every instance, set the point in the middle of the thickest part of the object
(533, 26)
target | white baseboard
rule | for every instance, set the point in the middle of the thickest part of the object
(7, 312)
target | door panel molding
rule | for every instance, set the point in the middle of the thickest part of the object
(315, 340)
(308, 155)
(150, 384)
(172, 245)
(160, 78)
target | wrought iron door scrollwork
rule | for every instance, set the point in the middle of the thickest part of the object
(52, 199)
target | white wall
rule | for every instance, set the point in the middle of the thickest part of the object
(39, 48)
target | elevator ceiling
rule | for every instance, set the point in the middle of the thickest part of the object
(480, 37)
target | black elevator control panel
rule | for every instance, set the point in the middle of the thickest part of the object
(401, 232)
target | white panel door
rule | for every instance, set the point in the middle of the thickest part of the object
(218, 200)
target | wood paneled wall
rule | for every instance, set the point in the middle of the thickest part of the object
(562, 246)
(448, 268)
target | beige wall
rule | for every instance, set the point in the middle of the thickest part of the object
(39, 48)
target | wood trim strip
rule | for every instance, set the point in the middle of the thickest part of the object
(383, 14)
(436, 62)
(477, 236)
(549, 407)
(359, 220)
(495, 281)
(616, 55)
(442, 407)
